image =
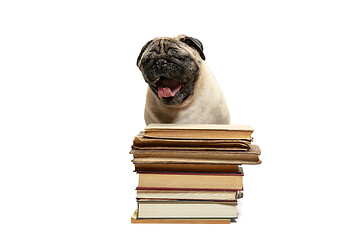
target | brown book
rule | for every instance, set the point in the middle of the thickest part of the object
(198, 131)
(193, 161)
(174, 167)
(203, 181)
(141, 142)
(190, 156)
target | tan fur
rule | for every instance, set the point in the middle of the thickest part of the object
(205, 105)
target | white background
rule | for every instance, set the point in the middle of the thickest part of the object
(72, 99)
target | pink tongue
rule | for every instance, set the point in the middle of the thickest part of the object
(164, 92)
(167, 92)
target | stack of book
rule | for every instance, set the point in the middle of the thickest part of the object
(191, 173)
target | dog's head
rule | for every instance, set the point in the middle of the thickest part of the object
(171, 67)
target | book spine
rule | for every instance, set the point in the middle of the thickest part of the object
(182, 200)
(189, 189)
(191, 173)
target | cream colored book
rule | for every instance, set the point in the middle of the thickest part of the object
(136, 220)
(186, 209)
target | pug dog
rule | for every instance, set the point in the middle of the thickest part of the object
(181, 88)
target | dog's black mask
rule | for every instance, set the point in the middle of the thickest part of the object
(169, 69)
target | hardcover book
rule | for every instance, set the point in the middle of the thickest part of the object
(190, 156)
(142, 142)
(163, 180)
(186, 209)
(198, 131)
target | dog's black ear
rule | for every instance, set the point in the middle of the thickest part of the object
(194, 43)
(142, 51)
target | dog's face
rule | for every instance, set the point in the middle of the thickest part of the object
(171, 67)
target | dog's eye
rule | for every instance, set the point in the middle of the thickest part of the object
(153, 51)
(174, 52)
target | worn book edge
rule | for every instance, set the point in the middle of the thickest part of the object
(134, 219)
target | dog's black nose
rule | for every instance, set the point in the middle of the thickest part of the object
(161, 63)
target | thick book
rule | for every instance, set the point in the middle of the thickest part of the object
(141, 142)
(178, 156)
(198, 131)
(185, 180)
(148, 195)
(186, 209)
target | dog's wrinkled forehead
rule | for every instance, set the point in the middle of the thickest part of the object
(163, 45)
(170, 46)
